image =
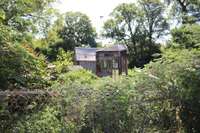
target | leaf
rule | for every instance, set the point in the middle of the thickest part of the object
(2, 14)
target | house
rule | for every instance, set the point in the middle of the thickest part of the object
(103, 61)
(86, 57)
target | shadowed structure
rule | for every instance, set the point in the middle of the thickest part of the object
(103, 61)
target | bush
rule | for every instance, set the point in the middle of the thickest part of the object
(163, 97)
(187, 36)
(44, 121)
(76, 92)
(81, 76)
(63, 61)
(174, 80)
(18, 107)
(21, 68)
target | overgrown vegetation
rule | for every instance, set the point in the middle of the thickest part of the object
(42, 91)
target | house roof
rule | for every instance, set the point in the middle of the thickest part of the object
(115, 48)
(89, 54)
(85, 54)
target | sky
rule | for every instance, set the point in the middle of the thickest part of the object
(97, 10)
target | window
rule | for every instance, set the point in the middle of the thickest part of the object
(115, 64)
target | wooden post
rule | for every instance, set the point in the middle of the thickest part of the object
(119, 63)
(126, 63)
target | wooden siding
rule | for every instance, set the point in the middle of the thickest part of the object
(103, 61)
(89, 65)
(109, 61)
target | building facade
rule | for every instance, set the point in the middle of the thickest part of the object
(103, 61)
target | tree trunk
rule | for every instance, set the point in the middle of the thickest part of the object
(150, 44)
(184, 10)
(178, 120)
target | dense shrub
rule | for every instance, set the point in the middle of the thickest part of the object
(63, 61)
(187, 36)
(177, 85)
(17, 107)
(169, 91)
(162, 97)
(80, 76)
(21, 68)
(44, 121)
(75, 95)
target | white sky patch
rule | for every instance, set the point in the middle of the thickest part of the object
(97, 10)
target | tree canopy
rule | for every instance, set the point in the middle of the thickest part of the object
(21, 14)
(138, 27)
(187, 36)
(20, 65)
(185, 11)
(77, 31)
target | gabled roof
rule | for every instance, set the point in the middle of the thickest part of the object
(85, 54)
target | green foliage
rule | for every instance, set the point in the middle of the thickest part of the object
(15, 107)
(81, 76)
(44, 121)
(50, 44)
(138, 27)
(77, 31)
(76, 93)
(110, 111)
(14, 13)
(2, 15)
(161, 97)
(176, 77)
(155, 23)
(70, 30)
(185, 11)
(64, 60)
(20, 68)
(187, 36)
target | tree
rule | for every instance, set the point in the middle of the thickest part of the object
(138, 27)
(77, 31)
(19, 64)
(187, 36)
(155, 24)
(124, 26)
(187, 10)
(19, 14)
(50, 43)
